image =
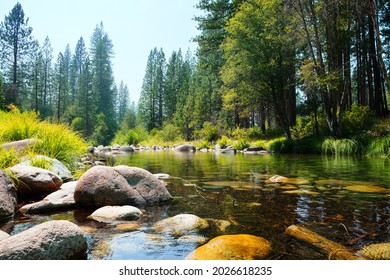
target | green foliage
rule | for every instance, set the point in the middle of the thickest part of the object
(241, 144)
(8, 158)
(379, 147)
(304, 127)
(54, 140)
(340, 147)
(41, 162)
(169, 133)
(224, 142)
(78, 124)
(129, 138)
(254, 133)
(209, 132)
(280, 145)
(357, 120)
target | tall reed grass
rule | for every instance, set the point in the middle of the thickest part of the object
(54, 140)
(340, 147)
(379, 147)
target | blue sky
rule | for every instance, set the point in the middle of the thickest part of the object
(134, 26)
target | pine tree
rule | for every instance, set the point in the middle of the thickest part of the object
(15, 46)
(102, 51)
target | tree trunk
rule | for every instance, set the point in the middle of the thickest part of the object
(334, 250)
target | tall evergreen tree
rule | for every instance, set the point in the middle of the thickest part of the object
(15, 46)
(102, 51)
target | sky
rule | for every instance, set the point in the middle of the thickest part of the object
(134, 26)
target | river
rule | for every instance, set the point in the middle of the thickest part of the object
(345, 199)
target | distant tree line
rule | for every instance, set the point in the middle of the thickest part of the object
(261, 64)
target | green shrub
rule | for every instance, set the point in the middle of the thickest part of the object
(241, 144)
(357, 120)
(224, 142)
(209, 132)
(341, 147)
(279, 145)
(8, 158)
(379, 147)
(304, 127)
(54, 140)
(254, 133)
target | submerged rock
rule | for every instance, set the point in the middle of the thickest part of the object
(181, 224)
(8, 198)
(233, 247)
(121, 185)
(34, 181)
(53, 240)
(285, 180)
(367, 189)
(58, 200)
(109, 214)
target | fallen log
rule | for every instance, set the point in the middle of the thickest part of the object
(334, 250)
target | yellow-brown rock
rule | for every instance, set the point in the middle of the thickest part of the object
(233, 247)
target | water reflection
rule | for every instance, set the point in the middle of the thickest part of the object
(235, 188)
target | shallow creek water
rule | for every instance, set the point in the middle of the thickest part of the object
(328, 196)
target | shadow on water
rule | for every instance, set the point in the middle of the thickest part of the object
(236, 188)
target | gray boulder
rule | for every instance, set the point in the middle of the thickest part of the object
(58, 200)
(122, 185)
(55, 166)
(126, 149)
(8, 197)
(185, 148)
(34, 181)
(19, 145)
(53, 240)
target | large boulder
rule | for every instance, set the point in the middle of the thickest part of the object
(8, 198)
(19, 145)
(110, 214)
(181, 224)
(34, 181)
(233, 247)
(185, 148)
(121, 185)
(58, 200)
(53, 240)
(54, 165)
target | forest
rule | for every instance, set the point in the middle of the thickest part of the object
(291, 69)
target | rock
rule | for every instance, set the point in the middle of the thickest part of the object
(128, 226)
(8, 197)
(115, 147)
(181, 224)
(54, 165)
(34, 181)
(148, 186)
(58, 200)
(126, 149)
(301, 192)
(254, 149)
(19, 145)
(109, 214)
(233, 247)
(185, 148)
(91, 149)
(192, 239)
(122, 185)
(285, 180)
(367, 189)
(53, 240)
(228, 150)
(3, 235)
